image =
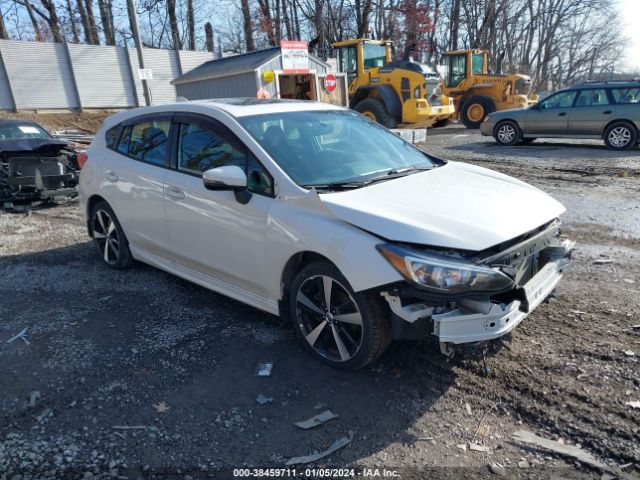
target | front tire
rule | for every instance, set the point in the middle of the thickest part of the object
(376, 110)
(344, 329)
(109, 238)
(620, 136)
(507, 133)
(475, 109)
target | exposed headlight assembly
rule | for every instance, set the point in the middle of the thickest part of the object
(443, 275)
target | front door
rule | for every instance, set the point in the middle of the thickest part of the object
(551, 116)
(212, 232)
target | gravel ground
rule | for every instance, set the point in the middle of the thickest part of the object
(140, 374)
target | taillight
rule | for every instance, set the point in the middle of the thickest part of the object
(82, 158)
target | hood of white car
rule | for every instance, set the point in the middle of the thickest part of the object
(457, 205)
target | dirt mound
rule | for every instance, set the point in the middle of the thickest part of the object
(87, 121)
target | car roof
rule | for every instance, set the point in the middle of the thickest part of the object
(244, 106)
(17, 121)
(236, 107)
(607, 84)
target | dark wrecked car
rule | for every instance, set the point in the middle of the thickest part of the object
(34, 166)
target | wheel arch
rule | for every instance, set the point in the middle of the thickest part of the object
(386, 93)
(92, 202)
(619, 120)
(291, 268)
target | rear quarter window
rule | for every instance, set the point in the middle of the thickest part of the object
(626, 95)
(111, 137)
(146, 141)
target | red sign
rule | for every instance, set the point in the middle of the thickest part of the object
(330, 82)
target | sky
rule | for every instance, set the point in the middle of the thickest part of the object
(630, 10)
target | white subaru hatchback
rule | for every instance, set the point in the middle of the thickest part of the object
(319, 215)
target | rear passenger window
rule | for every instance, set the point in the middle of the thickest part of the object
(592, 98)
(626, 95)
(146, 141)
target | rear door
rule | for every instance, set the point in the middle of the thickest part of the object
(132, 180)
(551, 115)
(592, 111)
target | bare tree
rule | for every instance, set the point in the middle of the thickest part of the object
(173, 22)
(208, 31)
(3, 29)
(191, 26)
(248, 27)
(106, 17)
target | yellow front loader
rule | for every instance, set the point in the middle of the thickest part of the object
(394, 93)
(477, 93)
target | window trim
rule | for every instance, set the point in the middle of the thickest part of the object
(160, 116)
(180, 118)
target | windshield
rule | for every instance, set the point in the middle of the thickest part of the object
(11, 131)
(318, 148)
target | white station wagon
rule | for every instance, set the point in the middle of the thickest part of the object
(317, 214)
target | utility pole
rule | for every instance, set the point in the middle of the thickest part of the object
(133, 20)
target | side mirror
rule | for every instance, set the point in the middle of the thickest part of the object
(229, 177)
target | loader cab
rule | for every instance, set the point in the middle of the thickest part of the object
(464, 64)
(357, 56)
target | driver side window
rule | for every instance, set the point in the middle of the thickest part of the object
(559, 100)
(202, 147)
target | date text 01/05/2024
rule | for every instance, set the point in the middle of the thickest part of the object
(314, 473)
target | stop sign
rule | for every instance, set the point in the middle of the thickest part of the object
(330, 82)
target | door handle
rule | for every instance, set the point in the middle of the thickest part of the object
(607, 112)
(111, 176)
(562, 114)
(174, 193)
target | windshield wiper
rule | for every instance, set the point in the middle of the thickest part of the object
(336, 185)
(388, 175)
(396, 173)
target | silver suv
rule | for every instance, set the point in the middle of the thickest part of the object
(603, 110)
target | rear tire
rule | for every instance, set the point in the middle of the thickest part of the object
(507, 133)
(351, 331)
(475, 109)
(109, 238)
(620, 136)
(376, 110)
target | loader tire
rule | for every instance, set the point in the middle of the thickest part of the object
(475, 109)
(376, 110)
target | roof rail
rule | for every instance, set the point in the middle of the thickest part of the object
(631, 80)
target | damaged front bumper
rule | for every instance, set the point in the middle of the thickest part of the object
(470, 321)
(28, 179)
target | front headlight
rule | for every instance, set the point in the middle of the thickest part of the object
(444, 275)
